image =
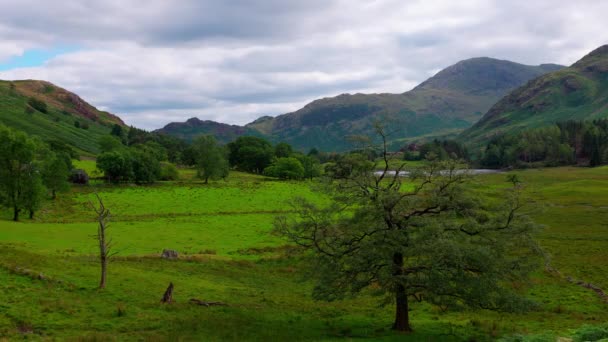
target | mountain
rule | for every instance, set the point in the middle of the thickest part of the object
(194, 127)
(579, 92)
(43, 109)
(445, 104)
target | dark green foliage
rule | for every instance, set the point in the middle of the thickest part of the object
(591, 333)
(283, 150)
(436, 149)
(311, 165)
(346, 165)
(211, 158)
(118, 131)
(117, 166)
(20, 180)
(565, 143)
(165, 147)
(285, 168)
(56, 170)
(251, 154)
(59, 146)
(428, 237)
(129, 165)
(38, 105)
(109, 143)
(146, 167)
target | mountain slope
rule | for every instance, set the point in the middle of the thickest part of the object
(579, 92)
(447, 103)
(43, 109)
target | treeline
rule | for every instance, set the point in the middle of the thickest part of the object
(31, 170)
(435, 150)
(565, 143)
(137, 156)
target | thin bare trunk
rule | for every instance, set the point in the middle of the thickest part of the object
(103, 217)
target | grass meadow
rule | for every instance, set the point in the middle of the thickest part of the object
(49, 270)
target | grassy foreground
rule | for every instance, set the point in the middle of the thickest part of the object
(49, 272)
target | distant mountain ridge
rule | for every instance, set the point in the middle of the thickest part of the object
(193, 127)
(446, 103)
(579, 92)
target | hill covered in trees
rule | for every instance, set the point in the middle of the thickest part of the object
(579, 92)
(447, 103)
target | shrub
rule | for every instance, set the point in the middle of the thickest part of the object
(38, 105)
(591, 333)
(285, 168)
(168, 172)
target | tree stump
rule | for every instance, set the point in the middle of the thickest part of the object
(168, 296)
(169, 254)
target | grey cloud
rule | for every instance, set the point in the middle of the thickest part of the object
(157, 61)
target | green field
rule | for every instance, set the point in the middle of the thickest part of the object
(49, 271)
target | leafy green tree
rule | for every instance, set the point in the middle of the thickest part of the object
(285, 168)
(56, 170)
(211, 160)
(33, 191)
(146, 168)
(250, 154)
(117, 166)
(18, 171)
(283, 150)
(109, 143)
(311, 165)
(428, 237)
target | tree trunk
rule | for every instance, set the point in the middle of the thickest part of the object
(103, 253)
(53, 194)
(402, 314)
(104, 266)
(16, 214)
(31, 214)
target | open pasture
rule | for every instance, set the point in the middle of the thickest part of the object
(49, 270)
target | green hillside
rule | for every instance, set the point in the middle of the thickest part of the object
(53, 113)
(445, 104)
(579, 92)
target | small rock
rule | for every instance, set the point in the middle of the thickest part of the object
(169, 254)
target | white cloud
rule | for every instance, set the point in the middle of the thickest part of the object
(152, 62)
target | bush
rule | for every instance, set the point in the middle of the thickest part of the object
(38, 105)
(168, 172)
(591, 333)
(285, 168)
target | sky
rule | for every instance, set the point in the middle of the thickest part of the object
(157, 61)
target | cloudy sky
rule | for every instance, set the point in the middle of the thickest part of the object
(157, 61)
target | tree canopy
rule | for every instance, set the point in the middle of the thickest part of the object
(211, 159)
(427, 237)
